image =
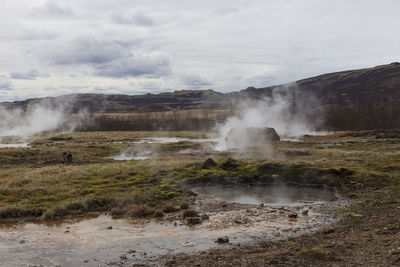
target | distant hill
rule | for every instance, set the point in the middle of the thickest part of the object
(178, 100)
(350, 100)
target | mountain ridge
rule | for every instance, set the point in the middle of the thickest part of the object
(353, 99)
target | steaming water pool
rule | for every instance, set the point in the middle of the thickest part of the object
(129, 157)
(15, 145)
(103, 241)
(268, 195)
(166, 140)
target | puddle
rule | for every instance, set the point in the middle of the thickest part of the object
(101, 240)
(15, 145)
(129, 157)
(166, 140)
(268, 195)
(92, 243)
(132, 153)
(138, 153)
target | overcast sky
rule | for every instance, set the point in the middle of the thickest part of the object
(50, 48)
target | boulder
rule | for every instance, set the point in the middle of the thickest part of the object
(223, 240)
(237, 137)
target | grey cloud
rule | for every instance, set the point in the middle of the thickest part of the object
(30, 75)
(35, 35)
(232, 44)
(196, 82)
(87, 51)
(52, 8)
(137, 18)
(5, 85)
(261, 80)
(135, 66)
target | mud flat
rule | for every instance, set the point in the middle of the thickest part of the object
(102, 241)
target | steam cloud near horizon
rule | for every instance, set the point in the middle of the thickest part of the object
(290, 114)
(39, 117)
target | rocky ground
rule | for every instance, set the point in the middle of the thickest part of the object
(368, 235)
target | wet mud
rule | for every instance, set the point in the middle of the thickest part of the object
(104, 241)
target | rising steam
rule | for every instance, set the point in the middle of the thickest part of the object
(22, 124)
(290, 113)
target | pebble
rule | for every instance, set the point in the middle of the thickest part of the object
(223, 240)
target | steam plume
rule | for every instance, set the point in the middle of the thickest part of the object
(39, 117)
(290, 112)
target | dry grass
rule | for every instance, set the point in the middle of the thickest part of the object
(33, 181)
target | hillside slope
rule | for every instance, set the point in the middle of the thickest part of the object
(351, 100)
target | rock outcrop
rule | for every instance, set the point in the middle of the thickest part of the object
(252, 135)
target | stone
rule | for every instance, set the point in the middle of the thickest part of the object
(257, 135)
(205, 217)
(208, 164)
(328, 230)
(273, 261)
(223, 240)
(194, 220)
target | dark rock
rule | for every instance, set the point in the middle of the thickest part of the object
(255, 135)
(230, 164)
(171, 262)
(22, 242)
(292, 215)
(194, 220)
(205, 217)
(273, 261)
(328, 230)
(223, 240)
(208, 164)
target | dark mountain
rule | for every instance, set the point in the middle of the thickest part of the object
(178, 100)
(349, 100)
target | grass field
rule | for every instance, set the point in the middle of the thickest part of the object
(35, 184)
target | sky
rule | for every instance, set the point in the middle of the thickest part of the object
(51, 48)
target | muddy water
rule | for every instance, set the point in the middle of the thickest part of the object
(15, 145)
(103, 241)
(268, 195)
(166, 140)
(131, 157)
(132, 153)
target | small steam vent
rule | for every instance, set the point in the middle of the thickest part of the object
(237, 137)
